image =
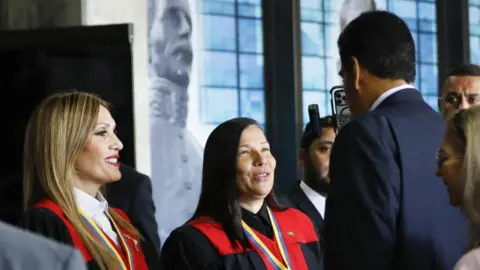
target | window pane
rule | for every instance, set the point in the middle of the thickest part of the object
(427, 17)
(253, 104)
(474, 27)
(428, 48)
(427, 11)
(219, 104)
(313, 70)
(417, 76)
(218, 7)
(250, 35)
(429, 79)
(316, 97)
(332, 17)
(432, 101)
(428, 26)
(251, 71)
(332, 70)
(474, 20)
(475, 50)
(473, 15)
(332, 33)
(219, 38)
(251, 2)
(249, 10)
(312, 39)
(335, 5)
(219, 69)
(405, 9)
(311, 4)
(415, 39)
(411, 23)
(311, 15)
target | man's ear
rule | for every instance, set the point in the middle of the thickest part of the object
(440, 103)
(357, 72)
(302, 156)
(442, 97)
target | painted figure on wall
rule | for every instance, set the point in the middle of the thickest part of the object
(353, 8)
(350, 10)
(176, 154)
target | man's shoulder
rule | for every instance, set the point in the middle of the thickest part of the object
(365, 125)
(20, 247)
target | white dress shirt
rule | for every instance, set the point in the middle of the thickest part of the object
(469, 261)
(316, 198)
(96, 209)
(388, 93)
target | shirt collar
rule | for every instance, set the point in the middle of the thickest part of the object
(388, 93)
(310, 192)
(262, 213)
(317, 199)
(90, 205)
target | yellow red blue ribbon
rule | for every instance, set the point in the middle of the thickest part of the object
(104, 239)
(277, 264)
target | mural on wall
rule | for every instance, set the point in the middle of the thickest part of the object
(176, 153)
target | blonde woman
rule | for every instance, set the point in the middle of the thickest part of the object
(458, 163)
(71, 151)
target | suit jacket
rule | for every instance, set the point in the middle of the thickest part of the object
(300, 201)
(386, 208)
(24, 251)
(133, 195)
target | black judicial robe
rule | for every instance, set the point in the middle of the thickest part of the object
(47, 219)
(188, 247)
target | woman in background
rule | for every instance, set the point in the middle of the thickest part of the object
(238, 223)
(459, 165)
(71, 151)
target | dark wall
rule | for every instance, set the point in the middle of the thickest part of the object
(37, 63)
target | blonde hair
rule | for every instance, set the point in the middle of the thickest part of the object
(463, 130)
(57, 132)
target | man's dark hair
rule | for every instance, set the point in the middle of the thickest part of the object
(219, 195)
(382, 43)
(308, 136)
(465, 70)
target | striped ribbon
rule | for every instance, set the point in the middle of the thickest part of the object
(278, 265)
(104, 239)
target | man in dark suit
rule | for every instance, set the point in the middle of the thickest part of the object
(309, 195)
(133, 195)
(386, 209)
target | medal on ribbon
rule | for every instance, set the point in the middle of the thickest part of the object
(278, 238)
(105, 240)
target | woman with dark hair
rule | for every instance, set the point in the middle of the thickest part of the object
(238, 223)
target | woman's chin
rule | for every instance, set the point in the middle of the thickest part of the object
(262, 192)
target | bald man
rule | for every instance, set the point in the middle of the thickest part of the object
(461, 89)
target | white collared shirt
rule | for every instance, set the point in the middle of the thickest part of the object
(316, 198)
(96, 209)
(388, 93)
